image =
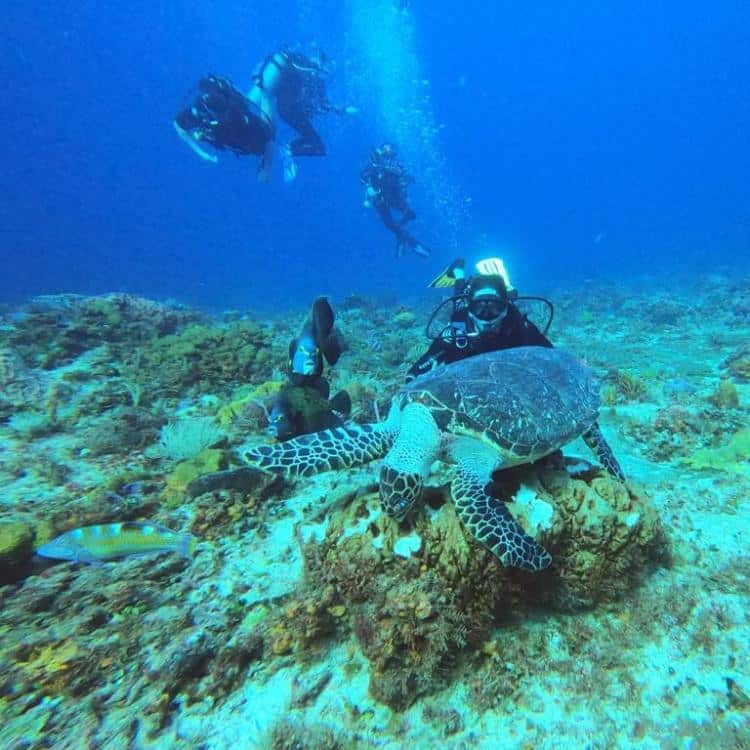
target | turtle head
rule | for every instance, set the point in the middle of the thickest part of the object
(399, 491)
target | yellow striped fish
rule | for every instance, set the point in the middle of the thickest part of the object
(108, 541)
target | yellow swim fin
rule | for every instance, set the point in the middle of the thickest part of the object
(447, 277)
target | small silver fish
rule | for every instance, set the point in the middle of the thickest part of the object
(108, 541)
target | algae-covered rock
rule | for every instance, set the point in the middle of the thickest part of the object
(415, 596)
(16, 542)
(731, 457)
(206, 462)
(202, 357)
(122, 430)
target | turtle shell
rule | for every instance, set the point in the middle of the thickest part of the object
(527, 401)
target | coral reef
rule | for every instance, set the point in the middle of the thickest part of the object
(401, 635)
(56, 329)
(738, 364)
(200, 358)
(84, 626)
(624, 386)
(414, 614)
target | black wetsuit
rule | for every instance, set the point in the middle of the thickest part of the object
(388, 180)
(226, 119)
(300, 95)
(515, 330)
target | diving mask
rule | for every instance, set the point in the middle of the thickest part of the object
(487, 308)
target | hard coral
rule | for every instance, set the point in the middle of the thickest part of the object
(413, 615)
(56, 329)
(203, 358)
(19, 385)
(610, 533)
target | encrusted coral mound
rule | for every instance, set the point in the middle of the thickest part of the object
(605, 535)
(418, 597)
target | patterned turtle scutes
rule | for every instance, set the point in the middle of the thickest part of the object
(527, 403)
(491, 524)
(328, 450)
(398, 491)
(484, 413)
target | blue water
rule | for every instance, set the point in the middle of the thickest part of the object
(577, 140)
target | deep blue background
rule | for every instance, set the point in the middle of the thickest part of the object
(583, 141)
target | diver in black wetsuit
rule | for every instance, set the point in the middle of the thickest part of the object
(224, 118)
(296, 86)
(303, 404)
(386, 180)
(485, 318)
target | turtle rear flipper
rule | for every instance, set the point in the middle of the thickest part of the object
(487, 518)
(327, 450)
(599, 446)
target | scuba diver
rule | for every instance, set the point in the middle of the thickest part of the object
(485, 317)
(224, 118)
(385, 181)
(294, 86)
(303, 404)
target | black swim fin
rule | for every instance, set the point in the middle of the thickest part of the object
(333, 346)
(327, 338)
(322, 319)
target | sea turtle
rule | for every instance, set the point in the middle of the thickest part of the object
(483, 413)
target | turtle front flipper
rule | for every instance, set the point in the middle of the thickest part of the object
(328, 450)
(408, 461)
(599, 446)
(487, 518)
